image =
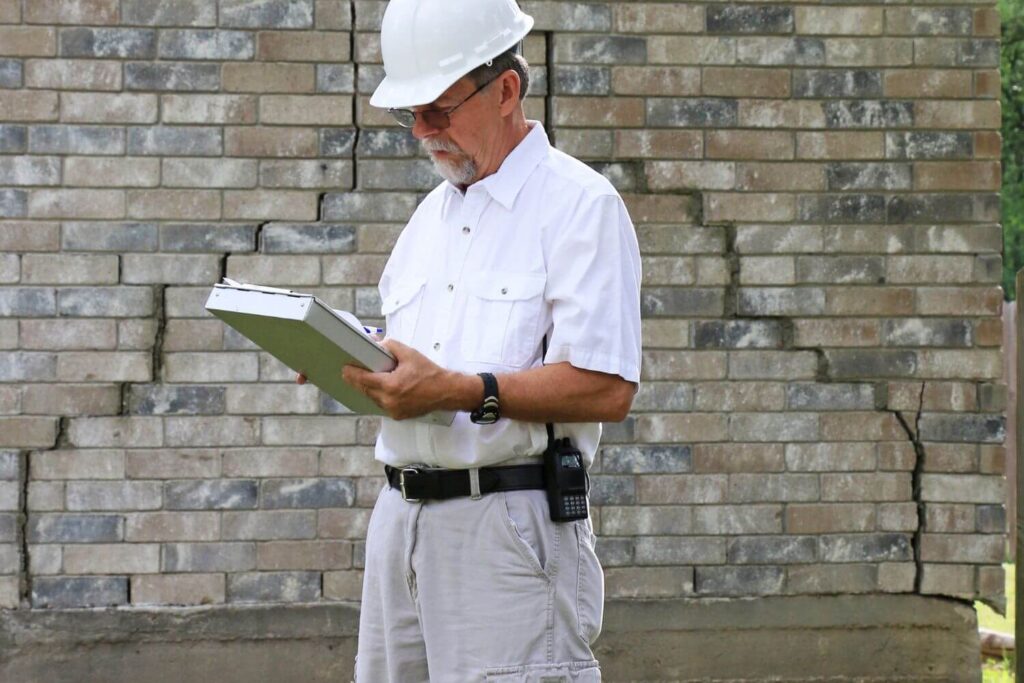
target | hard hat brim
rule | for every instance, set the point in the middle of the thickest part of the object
(396, 94)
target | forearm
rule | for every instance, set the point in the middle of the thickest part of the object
(551, 393)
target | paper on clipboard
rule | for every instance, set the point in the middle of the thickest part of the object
(309, 337)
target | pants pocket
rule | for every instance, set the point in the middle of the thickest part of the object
(534, 535)
(589, 585)
(564, 672)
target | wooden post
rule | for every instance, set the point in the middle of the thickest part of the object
(1019, 480)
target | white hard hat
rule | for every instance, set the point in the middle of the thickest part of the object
(428, 45)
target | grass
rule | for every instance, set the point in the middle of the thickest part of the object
(999, 671)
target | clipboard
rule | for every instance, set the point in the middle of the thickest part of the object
(309, 337)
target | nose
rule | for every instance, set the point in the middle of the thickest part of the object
(422, 130)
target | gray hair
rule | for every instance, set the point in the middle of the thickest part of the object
(510, 59)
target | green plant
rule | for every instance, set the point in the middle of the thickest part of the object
(1012, 198)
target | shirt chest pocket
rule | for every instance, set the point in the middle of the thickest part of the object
(401, 309)
(503, 314)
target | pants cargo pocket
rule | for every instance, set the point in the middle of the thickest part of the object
(589, 585)
(564, 672)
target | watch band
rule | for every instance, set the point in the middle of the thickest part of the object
(489, 410)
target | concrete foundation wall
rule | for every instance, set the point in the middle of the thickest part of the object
(799, 639)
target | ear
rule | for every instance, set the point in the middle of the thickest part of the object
(510, 85)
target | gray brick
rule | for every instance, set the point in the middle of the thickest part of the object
(646, 459)
(624, 176)
(738, 334)
(991, 519)
(368, 77)
(580, 49)
(309, 238)
(859, 364)
(830, 396)
(28, 302)
(208, 557)
(308, 493)
(747, 488)
(25, 170)
(9, 528)
(113, 495)
(822, 83)
(13, 139)
(926, 332)
(207, 44)
(841, 208)
(680, 550)
(868, 176)
(262, 526)
(225, 494)
(682, 302)
(274, 587)
(963, 428)
(582, 80)
(397, 142)
(739, 580)
(337, 142)
(119, 237)
(175, 141)
(612, 490)
(692, 112)
(21, 366)
(781, 301)
(615, 552)
(841, 269)
(73, 591)
(866, 548)
(208, 237)
(106, 302)
(10, 465)
(177, 77)
(749, 19)
(120, 43)
(368, 206)
(737, 519)
(63, 528)
(930, 208)
(772, 50)
(869, 114)
(11, 73)
(937, 21)
(397, 174)
(772, 549)
(978, 52)
(569, 16)
(266, 13)
(663, 396)
(335, 78)
(76, 140)
(13, 203)
(157, 399)
(169, 12)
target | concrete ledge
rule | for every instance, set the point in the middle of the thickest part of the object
(808, 638)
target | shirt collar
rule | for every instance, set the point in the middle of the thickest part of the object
(504, 185)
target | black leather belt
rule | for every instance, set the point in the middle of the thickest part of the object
(418, 484)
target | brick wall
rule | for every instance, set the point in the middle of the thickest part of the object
(814, 189)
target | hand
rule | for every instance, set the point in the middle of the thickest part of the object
(415, 387)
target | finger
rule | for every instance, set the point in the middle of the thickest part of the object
(300, 378)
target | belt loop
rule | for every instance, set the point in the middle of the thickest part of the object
(474, 483)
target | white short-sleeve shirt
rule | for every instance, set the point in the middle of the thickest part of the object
(476, 280)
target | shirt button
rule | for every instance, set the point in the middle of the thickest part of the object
(465, 230)
(451, 287)
(504, 290)
(437, 345)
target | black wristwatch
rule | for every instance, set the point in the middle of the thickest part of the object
(489, 411)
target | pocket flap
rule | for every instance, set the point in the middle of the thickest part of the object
(499, 286)
(401, 293)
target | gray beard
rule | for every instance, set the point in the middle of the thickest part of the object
(461, 172)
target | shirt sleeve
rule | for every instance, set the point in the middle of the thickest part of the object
(593, 287)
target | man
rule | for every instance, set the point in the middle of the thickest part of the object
(512, 296)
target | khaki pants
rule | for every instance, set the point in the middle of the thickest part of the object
(468, 590)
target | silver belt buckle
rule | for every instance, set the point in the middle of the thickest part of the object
(401, 483)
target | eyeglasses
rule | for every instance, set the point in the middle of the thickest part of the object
(435, 118)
